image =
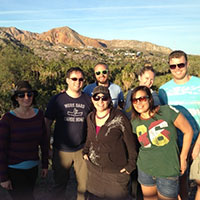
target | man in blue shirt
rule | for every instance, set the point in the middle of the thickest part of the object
(102, 78)
(183, 92)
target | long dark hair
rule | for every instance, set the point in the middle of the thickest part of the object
(135, 114)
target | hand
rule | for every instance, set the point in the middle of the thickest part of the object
(183, 165)
(195, 151)
(85, 157)
(7, 185)
(44, 173)
(124, 170)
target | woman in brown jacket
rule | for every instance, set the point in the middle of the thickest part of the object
(110, 149)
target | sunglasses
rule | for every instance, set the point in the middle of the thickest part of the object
(103, 98)
(101, 72)
(140, 99)
(180, 65)
(22, 94)
(77, 79)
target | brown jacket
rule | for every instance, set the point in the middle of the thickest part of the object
(114, 147)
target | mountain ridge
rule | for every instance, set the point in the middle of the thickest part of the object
(69, 37)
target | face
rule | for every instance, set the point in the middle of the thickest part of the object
(101, 74)
(147, 78)
(24, 97)
(141, 102)
(101, 102)
(179, 73)
(75, 81)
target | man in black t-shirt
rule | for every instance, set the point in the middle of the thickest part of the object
(69, 111)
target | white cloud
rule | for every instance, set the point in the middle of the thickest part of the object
(10, 12)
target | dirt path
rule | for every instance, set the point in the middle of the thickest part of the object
(44, 186)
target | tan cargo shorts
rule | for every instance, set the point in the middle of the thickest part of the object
(195, 169)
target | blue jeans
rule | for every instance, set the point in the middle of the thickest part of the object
(166, 186)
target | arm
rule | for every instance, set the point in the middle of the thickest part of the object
(86, 149)
(121, 99)
(4, 143)
(162, 96)
(156, 98)
(48, 123)
(196, 148)
(182, 123)
(87, 143)
(128, 105)
(130, 141)
(44, 149)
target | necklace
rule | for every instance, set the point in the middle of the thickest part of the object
(103, 116)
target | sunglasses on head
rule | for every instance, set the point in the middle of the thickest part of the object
(77, 79)
(140, 99)
(22, 94)
(101, 72)
(103, 98)
(180, 65)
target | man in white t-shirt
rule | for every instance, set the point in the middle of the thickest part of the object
(183, 92)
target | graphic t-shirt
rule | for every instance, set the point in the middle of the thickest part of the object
(158, 154)
(70, 115)
(185, 98)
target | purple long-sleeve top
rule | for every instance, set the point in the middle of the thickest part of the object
(20, 140)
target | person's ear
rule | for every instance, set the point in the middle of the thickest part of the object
(67, 80)
(188, 64)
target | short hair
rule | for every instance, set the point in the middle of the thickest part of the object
(74, 69)
(101, 63)
(177, 54)
(147, 68)
(152, 107)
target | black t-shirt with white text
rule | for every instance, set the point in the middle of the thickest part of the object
(70, 116)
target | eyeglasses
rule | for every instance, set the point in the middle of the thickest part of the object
(77, 79)
(103, 98)
(180, 65)
(140, 99)
(101, 72)
(22, 94)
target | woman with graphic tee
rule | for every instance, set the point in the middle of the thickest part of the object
(159, 162)
(110, 149)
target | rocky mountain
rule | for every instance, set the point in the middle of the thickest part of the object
(70, 38)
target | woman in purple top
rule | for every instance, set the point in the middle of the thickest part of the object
(22, 132)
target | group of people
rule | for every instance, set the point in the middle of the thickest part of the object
(148, 141)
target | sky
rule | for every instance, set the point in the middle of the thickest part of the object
(169, 23)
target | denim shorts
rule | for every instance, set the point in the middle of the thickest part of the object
(168, 187)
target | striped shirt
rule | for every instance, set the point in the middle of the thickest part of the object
(20, 140)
